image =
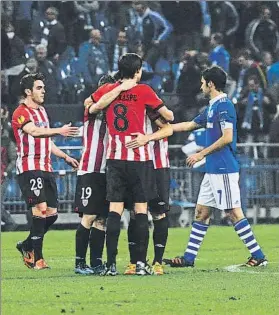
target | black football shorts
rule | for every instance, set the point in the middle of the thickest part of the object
(37, 187)
(131, 179)
(90, 197)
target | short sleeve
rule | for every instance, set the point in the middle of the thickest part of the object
(226, 115)
(20, 118)
(153, 115)
(151, 99)
(201, 119)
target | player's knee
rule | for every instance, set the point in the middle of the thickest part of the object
(158, 216)
(51, 211)
(202, 214)
(141, 208)
(87, 220)
(39, 210)
(235, 214)
(100, 223)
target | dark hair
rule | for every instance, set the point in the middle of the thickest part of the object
(254, 78)
(218, 37)
(217, 76)
(128, 65)
(246, 53)
(27, 82)
(106, 79)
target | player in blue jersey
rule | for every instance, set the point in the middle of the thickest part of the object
(220, 187)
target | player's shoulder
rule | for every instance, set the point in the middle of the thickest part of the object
(20, 110)
(225, 103)
(144, 88)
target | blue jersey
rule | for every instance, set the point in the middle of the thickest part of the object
(219, 115)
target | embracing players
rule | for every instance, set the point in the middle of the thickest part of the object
(129, 171)
(90, 199)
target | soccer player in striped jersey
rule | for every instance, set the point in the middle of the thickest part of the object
(129, 171)
(159, 206)
(90, 198)
(33, 166)
(220, 185)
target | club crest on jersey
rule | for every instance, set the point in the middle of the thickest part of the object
(84, 202)
(37, 192)
(21, 119)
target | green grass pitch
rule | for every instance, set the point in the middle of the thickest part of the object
(207, 289)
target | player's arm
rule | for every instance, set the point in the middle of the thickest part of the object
(166, 113)
(66, 131)
(197, 123)
(224, 140)
(185, 126)
(59, 153)
(141, 139)
(109, 97)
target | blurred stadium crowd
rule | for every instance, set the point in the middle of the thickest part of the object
(73, 43)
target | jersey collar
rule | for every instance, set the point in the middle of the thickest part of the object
(217, 98)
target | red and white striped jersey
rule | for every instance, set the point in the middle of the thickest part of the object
(127, 115)
(32, 153)
(159, 148)
(95, 141)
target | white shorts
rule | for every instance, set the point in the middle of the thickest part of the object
(220, 191)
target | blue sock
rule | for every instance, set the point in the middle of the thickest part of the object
(243, 229)
(197, 235)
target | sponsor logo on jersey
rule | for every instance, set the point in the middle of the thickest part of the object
(41, 124)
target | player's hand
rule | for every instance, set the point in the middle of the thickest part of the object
(128, 84)
(71, 161)
(139, 141)
(194, 158)
(68, 131)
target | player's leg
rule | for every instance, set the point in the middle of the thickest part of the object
(142, 184)
(86, 204)
(96, 243)
(98, 206)
(241, 224)
(160, 236)
(51, 217)
(206, 201)
(142, 238)
(82, 239)
(158, 208)
(32, 186)
(112, 236)
(116, 191)
(132, 243)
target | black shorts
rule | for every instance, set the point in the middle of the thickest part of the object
(91, 193)
(161, 203)
(130, 179)
(37, 187)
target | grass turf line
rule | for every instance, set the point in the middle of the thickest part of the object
(206, 289)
